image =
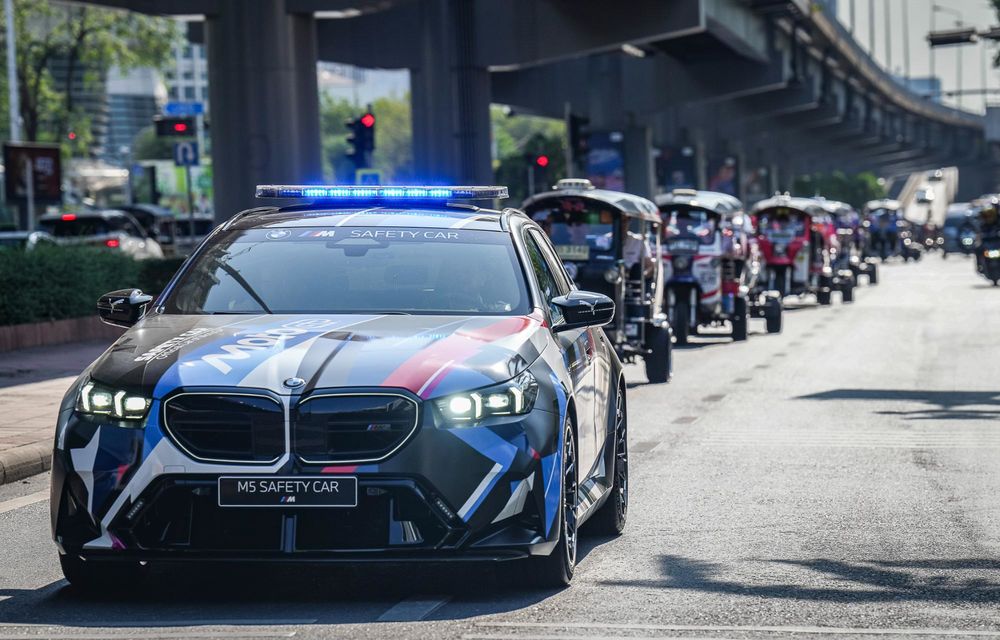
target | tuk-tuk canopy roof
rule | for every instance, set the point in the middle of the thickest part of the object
(884, 203)
(835, 207)
(808, 206)
(631, 206)
(720, 203)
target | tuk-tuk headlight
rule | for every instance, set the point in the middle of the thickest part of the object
(97, 399)
(992, 253)
(613, 275)
(511, 398)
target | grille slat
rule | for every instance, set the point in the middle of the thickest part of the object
(227, 427)
(341, 428)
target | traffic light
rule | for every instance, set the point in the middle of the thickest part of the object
(173, 127)
(542, 160)
(577, 130)
(361, 137)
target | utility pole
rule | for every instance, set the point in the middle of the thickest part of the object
(852, 16)
(871, 28)
(13, 97)
(888, 36)
(906, 41)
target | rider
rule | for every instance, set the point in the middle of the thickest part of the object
(989, 227)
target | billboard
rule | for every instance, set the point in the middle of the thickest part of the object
(46, 170)
(606, 160)
(723, 175)
(675, 168)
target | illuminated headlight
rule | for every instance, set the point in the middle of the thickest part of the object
(992, 253)
(613, 276)
(967, 240)
(512, 398)
(96, 399)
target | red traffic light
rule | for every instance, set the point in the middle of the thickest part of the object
(542, 161)
(368, 120)
(71, 135)
(180, 127)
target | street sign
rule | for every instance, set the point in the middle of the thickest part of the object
(186, 154)
(184, 109)
(367, 176)
(46, 173)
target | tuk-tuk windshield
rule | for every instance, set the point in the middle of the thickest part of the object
(684, 221)
(580, 229)
(777, 224)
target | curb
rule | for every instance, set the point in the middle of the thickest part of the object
(24, 461)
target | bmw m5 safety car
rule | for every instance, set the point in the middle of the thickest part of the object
(384, 373)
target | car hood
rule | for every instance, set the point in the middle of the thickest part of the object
(427, 355)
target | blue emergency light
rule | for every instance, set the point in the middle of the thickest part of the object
(399, 192)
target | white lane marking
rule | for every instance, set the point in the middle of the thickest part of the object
(483, 486)
(748, 629)
(23, 501)
(413, 609)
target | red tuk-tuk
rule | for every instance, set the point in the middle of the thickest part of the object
(797, 239)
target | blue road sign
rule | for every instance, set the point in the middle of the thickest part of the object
(184, 109)
(186, 154)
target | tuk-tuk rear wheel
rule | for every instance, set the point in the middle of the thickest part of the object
(740, 319)
(659, 359)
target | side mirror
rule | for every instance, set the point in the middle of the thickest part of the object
(123, 308)
(584, 309)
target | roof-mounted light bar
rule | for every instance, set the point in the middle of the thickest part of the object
(400, 192)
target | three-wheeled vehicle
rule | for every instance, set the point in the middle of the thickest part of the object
(889, 233)
(797, 251)
(711, 266)
(988, 245)
(610, 242)
(849, 263)
(960, 228)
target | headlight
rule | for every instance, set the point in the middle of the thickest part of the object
(97, 399)
(992, 253)
(613, 276)
(511, 398)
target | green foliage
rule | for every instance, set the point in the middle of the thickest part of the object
(147, 146)
(76, 37)
(65, 282)
(855, 190)
(518, 141)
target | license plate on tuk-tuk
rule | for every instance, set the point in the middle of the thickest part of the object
(579, 252)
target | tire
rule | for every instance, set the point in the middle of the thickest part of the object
(848, 294)
(824, 296)
(772, 315)
(101, 577)
(680, 321)
(658, 362)
(872, 274)
(611, 517)
(556, 569)
(740, 319)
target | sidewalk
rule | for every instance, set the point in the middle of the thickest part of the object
(32, 384)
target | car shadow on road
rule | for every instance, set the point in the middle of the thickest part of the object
(850, 581)
(174, 595)
(930, 405)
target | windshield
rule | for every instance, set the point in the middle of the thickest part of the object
(580, 229)
(684, 221)
(781, 223)
(354, 270)
(88, 226)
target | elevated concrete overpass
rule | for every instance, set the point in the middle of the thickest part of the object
(774, 84)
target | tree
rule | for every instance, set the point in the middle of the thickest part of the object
(77, 38)
(855, 190)
(393, 154)
(519, 140)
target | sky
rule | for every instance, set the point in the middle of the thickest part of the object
(977, 13)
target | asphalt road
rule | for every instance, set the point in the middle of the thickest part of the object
(838, 480)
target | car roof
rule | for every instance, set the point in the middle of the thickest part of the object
(632, 206)
(721, 203)
(806, 205)
(419, 216)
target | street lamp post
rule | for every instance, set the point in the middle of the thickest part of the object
(13, 97)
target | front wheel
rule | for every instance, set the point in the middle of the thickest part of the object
(740, 319)
(658, 361)
(848, 294)
(610, 518)
(681, 321)
(872, 274)
(101, 577)
(556, 569)
(772, 315)
(824, 296)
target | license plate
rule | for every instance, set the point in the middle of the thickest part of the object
(573, 251)
(288, 491)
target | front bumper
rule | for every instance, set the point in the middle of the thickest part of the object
(484, 492)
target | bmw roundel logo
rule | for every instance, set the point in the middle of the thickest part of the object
(278, 234)
(293, 383)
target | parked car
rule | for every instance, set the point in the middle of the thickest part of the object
(110, 228)
(26, 240)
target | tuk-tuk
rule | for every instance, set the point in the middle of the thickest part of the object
(711, 266)
(988, 241)
(610, 242)
(849, 263)
(797, 246)
(889, 232)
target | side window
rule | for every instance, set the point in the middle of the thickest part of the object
(543, 274)
(563, 282)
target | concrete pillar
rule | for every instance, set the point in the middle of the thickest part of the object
(264, 100)
(450, 98)
(640, 174)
